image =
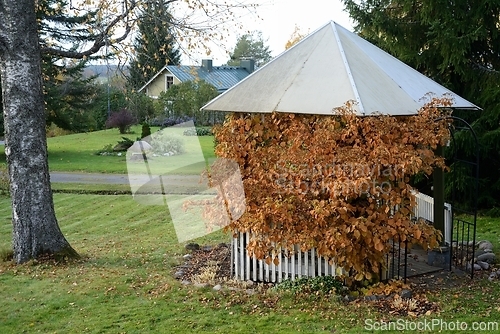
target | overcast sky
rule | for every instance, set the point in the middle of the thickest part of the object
(278, 20)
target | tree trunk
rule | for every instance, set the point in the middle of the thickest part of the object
(35, 228)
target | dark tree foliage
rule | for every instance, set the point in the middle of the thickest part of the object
(155, 45)
(99, 104)
(456, 43)
(251, 46)
(141, 106)
(68, 97)
(122, 120)
(186, 99)
(145, 130)
(67, 94)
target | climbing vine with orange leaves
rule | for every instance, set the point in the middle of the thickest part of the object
(339, 183)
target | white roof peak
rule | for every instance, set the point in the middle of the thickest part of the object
(326, 69)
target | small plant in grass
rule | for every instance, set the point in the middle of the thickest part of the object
(54, 131)
(208, 274)
(6, 255)
(399, 303)
(4, 180)
(106, 150)
(123, 145)
(122, 120)
(319, 284)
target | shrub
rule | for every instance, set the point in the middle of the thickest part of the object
(319, 284)
(99, 105)
(106, 150)
(163, 142)
(122, 120)
(53, 130)
(123, 145)
(186, 99)
(141, 106)
(146, 130)
(164, 122)
(198, 132)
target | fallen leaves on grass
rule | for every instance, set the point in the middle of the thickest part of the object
(219, 256)
(417, 306)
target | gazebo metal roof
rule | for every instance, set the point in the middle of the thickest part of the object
(325, 70)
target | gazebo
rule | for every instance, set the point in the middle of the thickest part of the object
(317, 75)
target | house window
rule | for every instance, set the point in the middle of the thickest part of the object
(169, 81)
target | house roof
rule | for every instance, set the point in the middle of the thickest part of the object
(325, 70)
(222, 77)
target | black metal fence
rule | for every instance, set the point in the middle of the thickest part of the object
(463, 245)
(396, 262)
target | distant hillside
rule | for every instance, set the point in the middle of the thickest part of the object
(102, 71)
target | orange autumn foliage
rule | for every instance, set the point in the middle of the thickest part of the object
(337, 183)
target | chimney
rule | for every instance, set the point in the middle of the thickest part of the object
(207, 64)
(248, 64)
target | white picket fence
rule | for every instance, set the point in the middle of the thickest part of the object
(425, 209)
(297, 264)
(291, 265)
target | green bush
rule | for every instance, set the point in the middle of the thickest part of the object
(106, 150)
(198, 132)
(319, 284)
(123, 145)
(186, 99)
(99, 105)
(141, 106)
(146, 130)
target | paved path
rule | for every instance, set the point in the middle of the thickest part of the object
(97, 178)
(91, 178)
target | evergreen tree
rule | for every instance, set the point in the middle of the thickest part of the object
(251, 46)
(66, 93)
(68, 96)
(155, 44)
(458, 45)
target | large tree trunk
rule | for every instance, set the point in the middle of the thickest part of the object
(35, 228)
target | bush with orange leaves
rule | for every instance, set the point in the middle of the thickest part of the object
(337, 183)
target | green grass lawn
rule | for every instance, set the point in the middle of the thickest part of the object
(124, 283)
(489, 229)
(77, 152)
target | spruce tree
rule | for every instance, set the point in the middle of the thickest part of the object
(251, 46)
(67, 94)
(458, 45)
(155, 45)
